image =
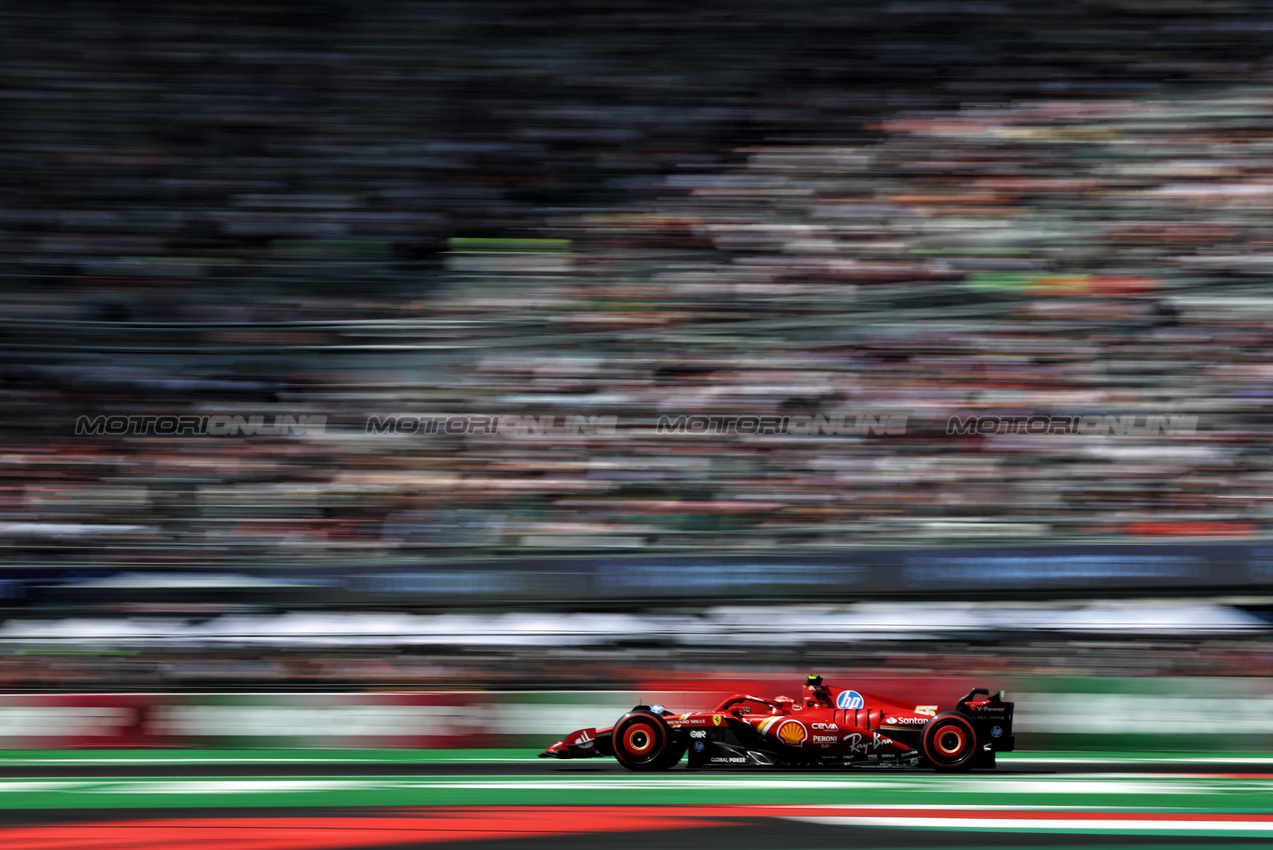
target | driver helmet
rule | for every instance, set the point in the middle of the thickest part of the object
(816, 694)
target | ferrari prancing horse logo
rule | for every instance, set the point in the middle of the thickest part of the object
(716, 719)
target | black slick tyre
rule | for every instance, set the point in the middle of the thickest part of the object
(950, 742)
(643, 741)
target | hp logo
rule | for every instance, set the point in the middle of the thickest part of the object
(849, 699)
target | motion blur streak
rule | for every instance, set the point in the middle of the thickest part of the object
(484, 824)
(336, 832)
(463, 350)
(348, 210)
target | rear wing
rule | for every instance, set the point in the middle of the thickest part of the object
(992, 717)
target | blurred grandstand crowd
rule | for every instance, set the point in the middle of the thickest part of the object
(927, 209)
(196, 668)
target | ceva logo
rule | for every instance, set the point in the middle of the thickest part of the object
(849, 699)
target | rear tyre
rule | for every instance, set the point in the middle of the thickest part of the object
(950, 742)
(674, 752)
(643, 741)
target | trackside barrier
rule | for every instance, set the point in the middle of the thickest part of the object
(1062, 714)
(1162, 714)
(1072, 570)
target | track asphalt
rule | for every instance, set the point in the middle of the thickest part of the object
(306, 800)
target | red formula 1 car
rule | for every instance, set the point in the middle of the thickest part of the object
(830, 727)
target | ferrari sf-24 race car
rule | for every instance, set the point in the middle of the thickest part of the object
(829, 727)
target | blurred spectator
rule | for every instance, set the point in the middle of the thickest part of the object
(203, 668)
(915, 209)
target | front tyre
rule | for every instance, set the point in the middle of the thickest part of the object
(643, 741)
(950, 742)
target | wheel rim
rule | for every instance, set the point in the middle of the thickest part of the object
(950, 741)
(639, 739)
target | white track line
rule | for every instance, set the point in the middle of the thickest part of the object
(1217, 758)
(1108, 823)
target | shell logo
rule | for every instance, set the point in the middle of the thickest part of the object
(792, 733)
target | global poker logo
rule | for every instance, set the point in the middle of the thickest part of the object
(792, 733)
(849, 699)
